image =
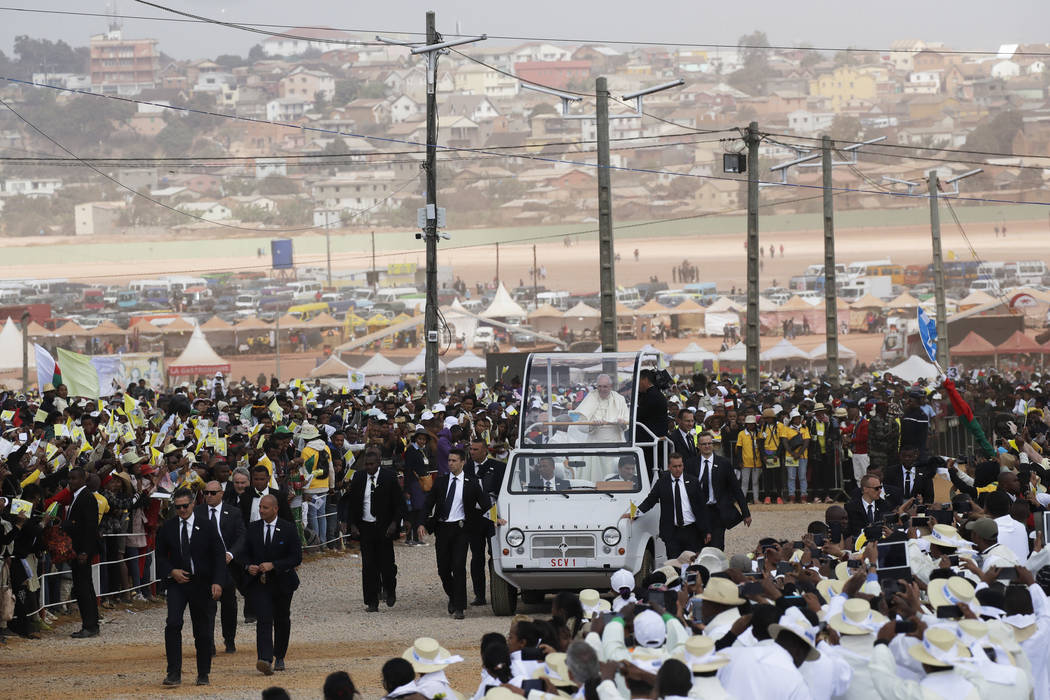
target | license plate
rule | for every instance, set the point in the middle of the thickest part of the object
(562, 563)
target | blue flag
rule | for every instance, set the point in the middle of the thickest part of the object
(928, 334)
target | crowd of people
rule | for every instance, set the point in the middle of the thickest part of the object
(225, 484)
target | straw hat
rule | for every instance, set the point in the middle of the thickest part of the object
(1023, 626)
(950, 591)
(721, 591)
(940, 647)
(498, 692)
(945, 536)
(714, 559)
(309, 432)
(131, 458)
(590, 600)
(554, 669)
(1003, 636)
(427, 656)
(700, 656)
(796, 623)
(829, 587)
(857, 618)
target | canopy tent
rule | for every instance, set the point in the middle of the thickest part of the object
(216, 324)
(546, 318)
(692, 354)
(11, 347)
(179, 325)
(737, 353)
(219, 332)
(973, 345)
(378, 321)
(468, 361)
(868, 301)
(287, 322)
(582, 318)
(862, 313)
(544, 311)
(503, 306)
(652, 308)
(783, 351)
(107, 328)
(401, 318)
(624, 310)
(252, 323)
(973, 299)
(1019, 344)
(797, 310)
(70, 329)
(819, 355)
(379, 370)
(145, 328)
(688, 316)
(417, 365)
(904, 301)
(913, 369)
(35, 330)
(197, 358)
(332, 367)
(725, 304)
(325, 320)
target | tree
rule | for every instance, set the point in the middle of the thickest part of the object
(229, 60)
(996, 133)
(276, 184)
(542, 108)
(846, 58)
(176, 138)
(752, 76)
(95, 120)
(845, 128)
(256, 53)
(809, 57)
(45, 56)
(346, 90)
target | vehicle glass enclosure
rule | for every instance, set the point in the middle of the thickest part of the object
(575, 472)
(583, 400)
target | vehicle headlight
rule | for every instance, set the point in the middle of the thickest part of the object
(515, 537)
(611, 536)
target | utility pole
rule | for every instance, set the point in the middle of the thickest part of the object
(535, 289)
(25, 351)
(606, 253)
(328, 245)
(751, 335)
(497, 263)
(938, 274)
(277, 344)
(831, 313)
(375, 274)
(430, 234)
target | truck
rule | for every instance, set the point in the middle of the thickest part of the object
(574, 535)
(881, 287)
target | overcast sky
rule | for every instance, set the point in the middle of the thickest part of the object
(962, 24)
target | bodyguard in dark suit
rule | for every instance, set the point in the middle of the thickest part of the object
(683, 513)
(651, 412)
(270, 554)
(230, 526)
(866, 507)
(81, 524)
(249, 500)
(683, 441)
(544, 479)
(489, 473)
(911, 478)
(719, 487)
(190, 557)
(446, 513)
(374, 517)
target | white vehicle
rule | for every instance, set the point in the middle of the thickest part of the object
(1027, 272)
(559, 300)
(411, 297)
(881, 287)
(989, 286)
(246, 304)
(818, 270)
(145, 285)
(485, 337)
(573, 537)
(305, 289)
(629, 297)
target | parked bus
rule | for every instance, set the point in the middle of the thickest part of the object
(1027, 272)
(305, 312)
(93, 299)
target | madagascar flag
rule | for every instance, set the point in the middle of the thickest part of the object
(962, 409)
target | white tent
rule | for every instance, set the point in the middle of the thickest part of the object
(715, 322)
(783, 351)
(332, 367)
(821, 353)
(467, 361)
(11, 347)
(725, 304)
(503, 306)
(737, 353)
(417, 365)
(913, 369)
(692, 354)
(379, 369)
(198, 358)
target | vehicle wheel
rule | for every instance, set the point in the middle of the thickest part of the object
(647, 567)
(532, 597)
(502, 595)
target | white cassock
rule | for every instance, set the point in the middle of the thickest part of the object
(612, 409)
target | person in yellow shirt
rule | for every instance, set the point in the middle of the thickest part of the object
(749, 456)
(320, 477)
(774, 435)
(796, 448)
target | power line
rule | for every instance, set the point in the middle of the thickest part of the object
(883, 144)
(567, 40)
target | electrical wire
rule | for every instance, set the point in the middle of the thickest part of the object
(567, 40)
(883, 144)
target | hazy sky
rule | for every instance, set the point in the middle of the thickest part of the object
(969, 24)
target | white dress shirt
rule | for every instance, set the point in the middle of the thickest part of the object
(763, 672)
(269, 530)
(189, 533)
(908, 480)
(76, 494)
(366, 506)
(688, 517)
(255, 508)
(1014, 535)
(456, 513)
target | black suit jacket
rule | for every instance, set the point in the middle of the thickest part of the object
(921, 486)
(858, 516)
(559, 484)
(283, 511)
(284, 551)
(81, 523)
(652, 413)
(415, 466)
(231, 528)
(489, 473)
(206, 550)
(229, 494)
(688, 449)
(663, 494)
(729, 497)
(387, 502)
(475, 501)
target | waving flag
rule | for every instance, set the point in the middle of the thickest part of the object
(928, 334)
(962, 409)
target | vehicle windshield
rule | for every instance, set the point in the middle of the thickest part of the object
(570, 473)
(579, 400)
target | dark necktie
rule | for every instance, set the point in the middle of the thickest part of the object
(372, 496)
(450, 496)
(184, 544)
(215, 518)
(705, 479)
(871, 513)
(546, 485)
(269, 535)
(907, 483)
(679, 517)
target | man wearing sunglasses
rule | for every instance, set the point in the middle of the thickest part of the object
(227, 520)
(191, 557)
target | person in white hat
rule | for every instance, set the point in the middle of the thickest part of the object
(622, 584)
(939, 651)
(429, 660)
(704, 662)
(772, 670)
(856, 624)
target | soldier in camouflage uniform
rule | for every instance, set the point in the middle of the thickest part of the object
(883, 435)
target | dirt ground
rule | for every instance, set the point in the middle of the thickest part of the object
(330, 631)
